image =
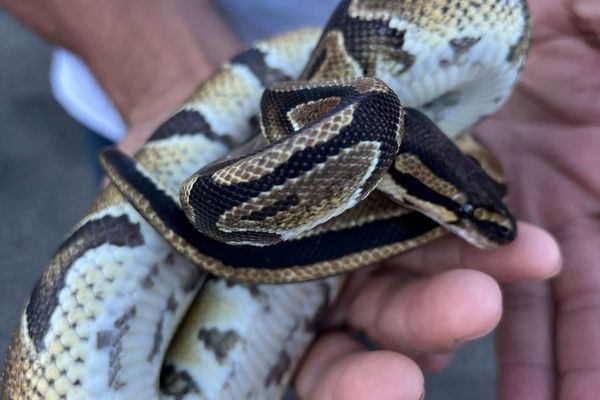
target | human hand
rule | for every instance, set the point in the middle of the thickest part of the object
(456, 298)
(548, 139)
(549, 341)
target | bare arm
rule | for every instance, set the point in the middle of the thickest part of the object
(148, 55)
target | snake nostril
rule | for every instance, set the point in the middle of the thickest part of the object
(506, 231)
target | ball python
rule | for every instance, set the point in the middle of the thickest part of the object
(127, 308)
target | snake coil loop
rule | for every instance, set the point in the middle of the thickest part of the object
(127, 309)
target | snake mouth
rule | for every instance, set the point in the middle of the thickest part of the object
(484, 228)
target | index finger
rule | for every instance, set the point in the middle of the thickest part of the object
(533, 255)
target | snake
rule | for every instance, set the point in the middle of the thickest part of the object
(201, 270)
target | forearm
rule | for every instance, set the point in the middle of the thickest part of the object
(148, 55)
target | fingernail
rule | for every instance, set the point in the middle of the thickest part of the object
(556, 271)
(460, 342)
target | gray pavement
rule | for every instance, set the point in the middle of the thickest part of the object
(46, 184)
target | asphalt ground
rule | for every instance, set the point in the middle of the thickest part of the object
(46, 184)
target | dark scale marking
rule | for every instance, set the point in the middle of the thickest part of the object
(255, 60)
(146, 281)
(463, 45)
(176, 383)
(270, 211)
(114, 361)
(229, 283)
(311, 324)
(116, 348)
(253, 288)
(190, 123)
(122, 323)
(219, 342)
(445, 63)
(279, 369)
(104, 339)
(256, 293)
(365, 41)
(172, 304)
(276, 104)
(195, 278)
(254, 124)
(519, 50)
(117, 231)
(158, 333)
(158, 338)
(327, 246)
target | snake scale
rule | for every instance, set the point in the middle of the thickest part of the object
(127, 308)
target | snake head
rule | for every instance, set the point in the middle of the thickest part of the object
(431, 175)
(465, 201)
(483, 219)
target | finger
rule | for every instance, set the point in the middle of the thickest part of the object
(587, 17)
(577, 293)
(141, 131)
(136, 137)
(427, 315)
(337, 367)
(433, 362)
(534, 254)
(525, 344)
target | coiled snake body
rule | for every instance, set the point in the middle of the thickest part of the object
(101, 321)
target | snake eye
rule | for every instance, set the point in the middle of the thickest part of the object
(466, 208)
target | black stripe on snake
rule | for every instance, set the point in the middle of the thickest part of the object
(101, 321)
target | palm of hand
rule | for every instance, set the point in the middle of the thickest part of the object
(548, 139)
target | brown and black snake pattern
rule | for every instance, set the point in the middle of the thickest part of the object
(101, 321)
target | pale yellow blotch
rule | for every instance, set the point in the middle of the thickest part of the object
(304, 114)
(399, 194)
(289, 52)
(411, 164)
(338, 63)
